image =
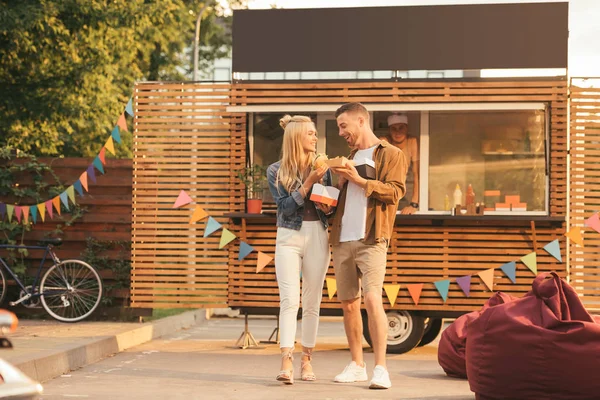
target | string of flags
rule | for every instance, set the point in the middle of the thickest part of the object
(23, 212)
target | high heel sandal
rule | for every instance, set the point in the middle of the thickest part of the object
(287, 375)
(307, 376)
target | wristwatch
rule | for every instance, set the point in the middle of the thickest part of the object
(414, 205)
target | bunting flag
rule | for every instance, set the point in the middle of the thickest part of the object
(56, 204)
(199, 214)
(91, 173)
(593, 222)
(442, 287)
(530, 260)
(392, 293)
(245, 250)
(2, 210)
(487, 277)
(42, 210)
(49, 208)
(98, 164)
(18, 213)
(71, 194)
(110, 146)
(115, 135)
(226, 237)
(129, 107)
(211, 226)
(33, 210)
(510, 269)
(575, 235)
(182, 199)
(331, 287)
(83, 181)
(64, 199)
(102, 156)
(9, 211)
(415, 290)
(553, 248)
(122, 123)
(77, 186)
(464, 282)
(25, 211)
(262, 261)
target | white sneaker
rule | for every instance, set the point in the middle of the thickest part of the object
(381, 378)
(352, 373)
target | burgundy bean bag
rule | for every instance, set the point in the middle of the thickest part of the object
(542, 346)
(451, 350)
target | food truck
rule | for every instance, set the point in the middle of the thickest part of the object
(492, 155)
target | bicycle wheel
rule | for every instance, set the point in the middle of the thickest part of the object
(71, 291)
(2, 285)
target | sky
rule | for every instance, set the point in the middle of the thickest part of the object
(584, 23)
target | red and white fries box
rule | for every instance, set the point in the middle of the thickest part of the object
(325, 194)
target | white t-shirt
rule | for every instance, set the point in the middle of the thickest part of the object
(354, 220)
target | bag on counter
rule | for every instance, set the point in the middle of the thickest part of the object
(451, 350)
(542, 346)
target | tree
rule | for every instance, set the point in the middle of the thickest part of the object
(68, 66)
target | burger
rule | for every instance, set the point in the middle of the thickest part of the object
(319, 160)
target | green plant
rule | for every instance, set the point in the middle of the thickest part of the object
(254, 178)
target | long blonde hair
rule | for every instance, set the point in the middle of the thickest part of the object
(293, 158)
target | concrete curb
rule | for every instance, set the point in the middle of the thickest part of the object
(46, 365)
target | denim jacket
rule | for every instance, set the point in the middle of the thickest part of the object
(290, 206)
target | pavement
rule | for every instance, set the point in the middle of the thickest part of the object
(45, 349)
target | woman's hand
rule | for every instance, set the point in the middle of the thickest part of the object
(316, 175)
(324, 207)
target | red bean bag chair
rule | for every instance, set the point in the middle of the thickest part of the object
(451, 350)
(542, 346)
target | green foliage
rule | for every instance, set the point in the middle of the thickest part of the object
(255, 179)
(68, 67)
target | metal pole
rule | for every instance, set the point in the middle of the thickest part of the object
(197, 43)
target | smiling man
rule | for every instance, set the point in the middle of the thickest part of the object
(360, 235)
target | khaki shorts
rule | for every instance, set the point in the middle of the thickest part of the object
(354, 262)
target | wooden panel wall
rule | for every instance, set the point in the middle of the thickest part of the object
(184, 140)
(585, 187)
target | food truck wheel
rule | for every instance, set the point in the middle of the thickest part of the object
(433, 327)
(405, 330)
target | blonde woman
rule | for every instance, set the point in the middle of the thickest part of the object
(302, 245)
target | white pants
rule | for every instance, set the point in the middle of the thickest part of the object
(306, 250)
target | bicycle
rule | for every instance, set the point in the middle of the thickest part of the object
(69, 290)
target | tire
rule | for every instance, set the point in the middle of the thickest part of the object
(433, 327)
(405, 330)
(3, 287)
(71, 291)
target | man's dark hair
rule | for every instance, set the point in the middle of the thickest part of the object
(352, 108)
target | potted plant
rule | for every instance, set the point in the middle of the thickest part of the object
(255, 179)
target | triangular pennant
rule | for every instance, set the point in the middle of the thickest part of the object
(102, 155)
(464, 282)
(71, 194)
(198, 214)
(129, 107)
(98, 164)
(392, 292)
(25, 211)
(91, 173)
(211, 226)
(593, 222)
(9, 211)
(182, 199)
(487, 277)
(226, 237)
(122, 123)
(77, 186)
(415, 290)
(575, 235)
(33, 210)
(56, 204)
(510, 269)
(42, 210)
(2, 210)
(553, 248)
(64, 199)
(83, 180)
(110, 145)
(262, 260)
(115, 135)
(530, 260)
(245, 249)
(18, 213)
(331, 287)
(442, 287)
